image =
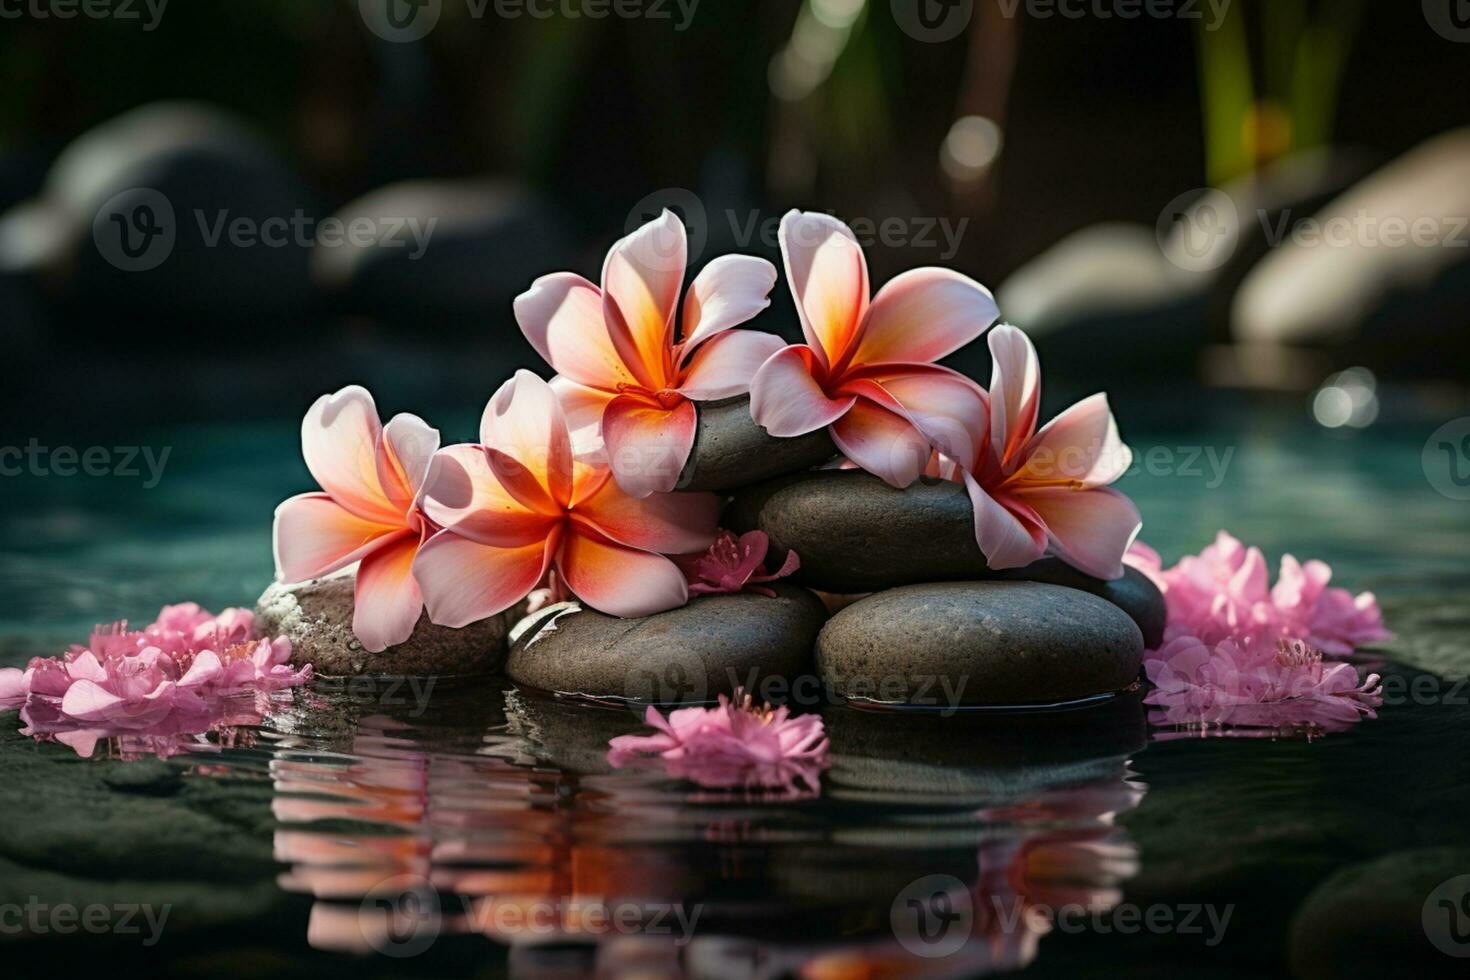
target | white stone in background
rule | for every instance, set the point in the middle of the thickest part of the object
(1310, 290)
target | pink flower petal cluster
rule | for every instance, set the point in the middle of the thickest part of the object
(733, 565)
(185, 672)
(1256, 685)
(732, 745)
(1224, 593)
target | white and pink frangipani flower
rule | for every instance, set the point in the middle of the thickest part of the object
(866, 371)
(521, 504)
(371, 477)
(1047, 490)
(624, 373)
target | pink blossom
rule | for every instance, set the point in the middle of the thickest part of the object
(866, 372)
(732, 745)
(1279, 686)
(1041, 489)
(367, 513)
(185, 673)
(1224, 593)
(734, 565)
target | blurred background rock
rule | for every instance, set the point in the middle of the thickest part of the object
(1135, 189)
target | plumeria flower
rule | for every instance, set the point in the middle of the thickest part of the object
(866, 371)
(624, 373)
(372, 476)
(521, 504)
(733, 565)
(1047, 489)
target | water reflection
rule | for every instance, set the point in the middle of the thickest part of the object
(498, 816)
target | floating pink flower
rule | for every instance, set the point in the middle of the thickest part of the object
(734, 565)
(1039, 490)
(190, 681)
(866, 372)
(624, 376)
(1224, 592)
(732, 745)
(372, 476)
(521, 504)
(1259, 686)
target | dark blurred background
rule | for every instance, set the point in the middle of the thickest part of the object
(217, 210)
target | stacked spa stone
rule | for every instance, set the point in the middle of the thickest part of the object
(933, 626)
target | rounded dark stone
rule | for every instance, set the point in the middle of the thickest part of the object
(316, 616)
(1400, 915)
(855, 533)
(731, 450)
(692, 654)
(1134, 593)
(979, 643)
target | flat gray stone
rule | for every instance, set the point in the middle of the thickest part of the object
(316, 616)
(980, 643)
(687, 655)
(855, 533)
(1134, 593)
(731, 450)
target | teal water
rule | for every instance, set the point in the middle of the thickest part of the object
(421, 832)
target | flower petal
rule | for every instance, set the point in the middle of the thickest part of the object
(723, 366)
(387, 600)
(668, 523)
(339, 440)
(647, 445)
(531, 449)
(785, 398)
(923, 315)
(561, 315)
(1015, 393)
(618, 580)
(583, 408)
(729, 291)
(1081, 447)
(1088, 529)
(951, 411)
(641, 280)
(884, 444)
(464, 581)
(829, 279)
(462, 494)
(315, 535)
(1008, 533)
(407, 446)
